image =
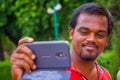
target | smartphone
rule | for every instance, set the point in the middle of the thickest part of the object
(52, 59)
(51, 54)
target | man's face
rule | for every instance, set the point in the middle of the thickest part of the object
(89, 37)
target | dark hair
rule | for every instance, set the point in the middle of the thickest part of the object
(92, 8)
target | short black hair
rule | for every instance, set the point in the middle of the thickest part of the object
(92, 8)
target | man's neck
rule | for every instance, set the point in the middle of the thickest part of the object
(85, 67)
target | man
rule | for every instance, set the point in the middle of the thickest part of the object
(90, 28)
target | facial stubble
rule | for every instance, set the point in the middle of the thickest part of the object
(88, 55)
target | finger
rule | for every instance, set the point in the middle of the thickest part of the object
(25, 40)
(19, 64)
(25, 50)
(26, 59)
(23, 65)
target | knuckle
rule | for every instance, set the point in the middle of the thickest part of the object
(22, 56)
(12, 58)
(20, 48)
(20, 63)
(25, 66)
(21, 41)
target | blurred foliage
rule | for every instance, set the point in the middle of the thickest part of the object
(5, 73)
(19, 18)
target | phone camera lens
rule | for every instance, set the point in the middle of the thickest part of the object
(60, 54)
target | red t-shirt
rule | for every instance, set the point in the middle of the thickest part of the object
(103, 74)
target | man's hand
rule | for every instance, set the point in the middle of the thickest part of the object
(22, 59)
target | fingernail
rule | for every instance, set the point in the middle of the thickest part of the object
(33, 56)
(34, 67)
(30, 39)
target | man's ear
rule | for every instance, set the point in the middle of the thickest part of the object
(71, 31)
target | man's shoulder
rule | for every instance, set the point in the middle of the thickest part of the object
(103, 73)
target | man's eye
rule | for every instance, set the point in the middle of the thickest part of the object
(84, 32)
(100, 35)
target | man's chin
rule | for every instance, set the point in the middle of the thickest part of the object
(89, 59)
(88, 55)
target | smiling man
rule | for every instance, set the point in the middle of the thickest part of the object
(90, 28)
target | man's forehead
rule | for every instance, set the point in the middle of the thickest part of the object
(84, 14)
(92, 20)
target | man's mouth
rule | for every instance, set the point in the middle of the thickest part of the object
(90, 46)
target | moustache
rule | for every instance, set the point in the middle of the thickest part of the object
(90, 44)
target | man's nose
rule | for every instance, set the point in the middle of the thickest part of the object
(91, 38)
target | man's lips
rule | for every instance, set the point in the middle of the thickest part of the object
(90, 46)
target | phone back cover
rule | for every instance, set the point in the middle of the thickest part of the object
(52, 58)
